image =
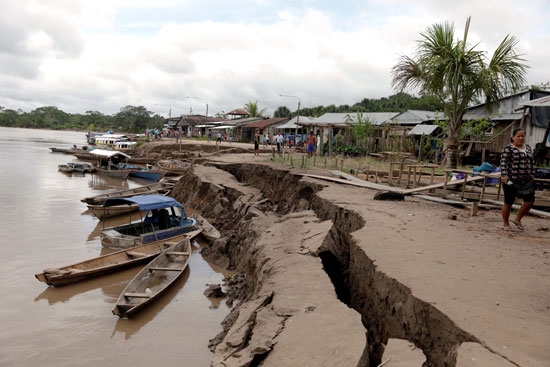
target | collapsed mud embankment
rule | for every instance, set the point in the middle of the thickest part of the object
(260, 211)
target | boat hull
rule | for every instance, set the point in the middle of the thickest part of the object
(105, 264)
(209, 232)
(123, 174)
(112, 211)
(153, 279)
(142, 190)
(150, 175)
(111, 237)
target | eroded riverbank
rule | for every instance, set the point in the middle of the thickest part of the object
(335, 278)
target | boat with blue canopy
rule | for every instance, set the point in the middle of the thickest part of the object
(164, 219)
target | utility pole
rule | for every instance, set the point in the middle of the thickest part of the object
(298, 117)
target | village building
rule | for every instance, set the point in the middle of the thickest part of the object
(510, 112)
(266, 126)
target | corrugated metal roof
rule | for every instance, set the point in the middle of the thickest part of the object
(238, 111)
(414, 117)
(496, 117)
(377, 118)
(268, 122)
(423, 129)
(539, 102)
(292, 123)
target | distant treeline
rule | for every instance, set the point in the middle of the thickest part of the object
(396, 103)
(130, 119)
(138, 118)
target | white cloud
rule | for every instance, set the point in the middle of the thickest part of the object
(75, 56)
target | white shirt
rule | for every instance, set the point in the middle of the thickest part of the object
(279, 138)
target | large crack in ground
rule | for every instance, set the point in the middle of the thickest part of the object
(388, 309)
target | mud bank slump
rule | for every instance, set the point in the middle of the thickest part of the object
(387, 307)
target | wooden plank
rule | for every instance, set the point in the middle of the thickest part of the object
(175, 253)
(456, 203)
(436, 186)
(137, 295)
(365, 184)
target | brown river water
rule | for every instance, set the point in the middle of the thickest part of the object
(43, 224)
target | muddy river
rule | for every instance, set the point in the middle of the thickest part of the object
(43, 224)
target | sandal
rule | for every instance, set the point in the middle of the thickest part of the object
(517, 224)
(508, 229)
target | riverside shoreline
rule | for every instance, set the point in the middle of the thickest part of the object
(335, 278)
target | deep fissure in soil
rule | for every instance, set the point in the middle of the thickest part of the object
(387, 307)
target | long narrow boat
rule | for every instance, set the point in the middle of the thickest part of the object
(59, 150)
(153, 279)
(209, 232)
(141, 172)
(175, 167)
(103, 212)
(155, 188)
(105, 264)
(65, 169)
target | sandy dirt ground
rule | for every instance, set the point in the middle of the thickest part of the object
(492, 284)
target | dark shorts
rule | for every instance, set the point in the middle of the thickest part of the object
(510, 195)
(311, 148)
(256, 145)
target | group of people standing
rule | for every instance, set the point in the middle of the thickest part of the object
(219, 136)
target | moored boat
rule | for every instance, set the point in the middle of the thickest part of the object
(103, 212)
(65, 169)
(81, 167)
(173, 167)
(105, 264)
(161, 188)
(153, 279)
(59, 150)
(107, 163)
(165, 219)
(141, 172)
(209, 232)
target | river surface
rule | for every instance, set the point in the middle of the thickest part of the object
(43, 224)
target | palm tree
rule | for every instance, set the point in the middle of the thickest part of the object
(253, 110)
(456, 74)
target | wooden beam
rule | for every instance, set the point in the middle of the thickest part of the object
(436, 186)
(353, 181)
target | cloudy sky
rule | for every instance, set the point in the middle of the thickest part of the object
(82, 55)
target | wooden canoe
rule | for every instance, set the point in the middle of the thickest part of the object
(112, 211)
(175, 167)
(153, 279)
(65, 169)
(105, 264)
(209, 232)
(141, 190)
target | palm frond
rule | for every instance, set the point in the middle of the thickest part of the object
(505, 70)
(407, 74)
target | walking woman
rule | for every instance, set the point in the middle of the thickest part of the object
(518, 175)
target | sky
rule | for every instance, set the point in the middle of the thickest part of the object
(102, 55)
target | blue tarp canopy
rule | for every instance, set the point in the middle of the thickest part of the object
(145, 202)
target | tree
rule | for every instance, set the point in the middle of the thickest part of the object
(282, 111)
(253, 109)
(456, 74)
(133, 118)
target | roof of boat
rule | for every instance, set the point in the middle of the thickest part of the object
(107, 153)
(145, 202)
